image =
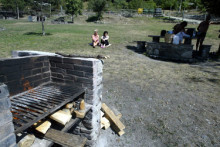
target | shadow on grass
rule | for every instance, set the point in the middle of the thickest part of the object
(134, 49)
(92, 19)
(36, 34)
(215, 81)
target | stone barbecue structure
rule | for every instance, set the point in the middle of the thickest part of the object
(167, 51)
(41, 67)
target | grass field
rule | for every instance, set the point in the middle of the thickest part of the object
(22, 35)
(162, 103)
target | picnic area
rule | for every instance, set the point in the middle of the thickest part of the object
(163, 103)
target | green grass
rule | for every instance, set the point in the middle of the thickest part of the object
(75, 38)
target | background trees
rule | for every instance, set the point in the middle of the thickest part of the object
(135, 4)
(212, 6)
(74, 7)
(120, 4)
(98, 6)
(13, 5)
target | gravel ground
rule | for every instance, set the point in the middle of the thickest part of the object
(162, 103)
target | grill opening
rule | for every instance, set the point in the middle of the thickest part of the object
(35, 104)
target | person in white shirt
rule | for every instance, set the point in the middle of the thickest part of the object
(179, 31)
(104, 40)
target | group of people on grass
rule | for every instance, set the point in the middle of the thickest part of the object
(177, 38)
(104, 39)
(179, 32)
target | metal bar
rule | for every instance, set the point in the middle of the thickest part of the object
(43, 93)
(16, 125)
(26, 106)
(49, 90)
(21, 118)
(22, 113)
(42, 96)
(30, 104)
(61, 93)
(34, 99)
(52, 97)
(31, 101)
(25, 110)
(15, 121)
(67, 88)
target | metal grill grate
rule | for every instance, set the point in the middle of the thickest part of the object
(35, 104)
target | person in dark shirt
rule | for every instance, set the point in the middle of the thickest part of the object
(202, 30)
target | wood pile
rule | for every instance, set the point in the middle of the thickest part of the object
(111, 118)
(61, 117)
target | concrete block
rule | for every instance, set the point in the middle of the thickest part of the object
(6, 130)
(3, 91)
(6, 117)
(8, 141)
(5, 104)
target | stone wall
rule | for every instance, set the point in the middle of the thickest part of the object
(20, 74)
(182, 52)
(86, 73)
(7, 136)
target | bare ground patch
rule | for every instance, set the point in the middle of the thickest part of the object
(163, 103)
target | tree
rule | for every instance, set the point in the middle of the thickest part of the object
(212, 6)
(98, 6)
(158, 2)
(135, 4)
(149, 4)
(13, 5)
(74, 7)
(168, 4)
(120, 4)
(41, 8)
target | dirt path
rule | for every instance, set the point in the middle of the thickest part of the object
(163, 103)
(185, 19)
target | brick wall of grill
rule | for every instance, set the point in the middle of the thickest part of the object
(19, 74)
(7, 136)
(88, 74)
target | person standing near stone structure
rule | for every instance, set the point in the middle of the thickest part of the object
(202, 30)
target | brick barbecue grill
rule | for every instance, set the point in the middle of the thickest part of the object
(35, 104)
(35, 86)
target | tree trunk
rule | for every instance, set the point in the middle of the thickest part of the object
(73, 18)
(42, 19)
(43, 31)
(18, 16)
(170, 12)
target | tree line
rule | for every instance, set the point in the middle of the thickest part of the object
(75, 7)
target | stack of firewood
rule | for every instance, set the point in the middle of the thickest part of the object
(111, 118)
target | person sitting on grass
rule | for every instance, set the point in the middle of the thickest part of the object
(95, 39)
(202, 30)
(104, 40)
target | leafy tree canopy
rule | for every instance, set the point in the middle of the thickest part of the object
(212, 6)
(135, 4)
(12, 4)
(98, 6)
(74, 7)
